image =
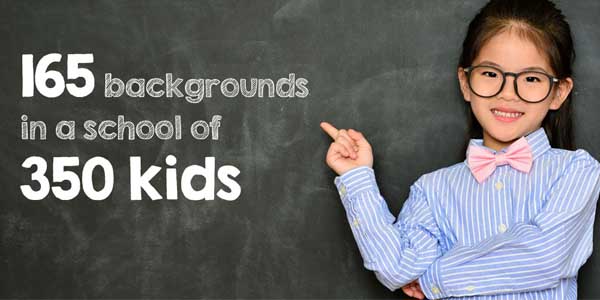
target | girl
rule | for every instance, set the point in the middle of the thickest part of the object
(514, 220)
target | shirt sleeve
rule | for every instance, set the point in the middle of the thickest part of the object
(398, 251)
(528, 256)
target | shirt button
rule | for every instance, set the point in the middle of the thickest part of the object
(470, 288)
(342, 190)
(355, 222)
(502, 227)
(435, 289)
(499, 185)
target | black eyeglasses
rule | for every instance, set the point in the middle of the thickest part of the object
(530, 86)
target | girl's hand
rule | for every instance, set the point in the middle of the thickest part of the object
(349, 150)
(413, 289)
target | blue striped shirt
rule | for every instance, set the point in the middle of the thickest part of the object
(514, 236)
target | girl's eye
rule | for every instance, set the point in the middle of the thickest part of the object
(490, 74)
(533, 79)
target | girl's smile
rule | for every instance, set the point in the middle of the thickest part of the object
(506, 114)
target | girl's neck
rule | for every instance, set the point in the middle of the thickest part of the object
(493, 143)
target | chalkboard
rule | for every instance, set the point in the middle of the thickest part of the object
(387, 68)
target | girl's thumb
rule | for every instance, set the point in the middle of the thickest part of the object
(357, 136)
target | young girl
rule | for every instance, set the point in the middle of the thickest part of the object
(514, 220)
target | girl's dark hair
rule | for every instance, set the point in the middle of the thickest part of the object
(543, 24)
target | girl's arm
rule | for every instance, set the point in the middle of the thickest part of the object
(397, 251)
(528, 256)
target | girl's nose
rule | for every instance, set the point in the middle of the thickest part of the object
(508, 90)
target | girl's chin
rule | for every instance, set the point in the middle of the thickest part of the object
(503, 135)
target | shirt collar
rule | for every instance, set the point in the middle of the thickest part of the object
(538, 142)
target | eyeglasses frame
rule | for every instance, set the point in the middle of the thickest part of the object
(553, 80)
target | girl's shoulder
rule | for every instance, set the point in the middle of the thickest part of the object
(444, 175)
(578, 155)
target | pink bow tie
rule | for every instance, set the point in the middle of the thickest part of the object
(483, 163)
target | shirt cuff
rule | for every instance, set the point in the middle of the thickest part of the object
(354, 181)
(431, 282)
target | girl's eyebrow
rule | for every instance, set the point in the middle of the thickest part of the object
(487, 62)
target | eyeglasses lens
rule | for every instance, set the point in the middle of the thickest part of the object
(487, 82)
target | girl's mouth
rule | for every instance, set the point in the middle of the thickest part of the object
(506, 116)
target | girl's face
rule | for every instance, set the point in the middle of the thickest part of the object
(511, 53)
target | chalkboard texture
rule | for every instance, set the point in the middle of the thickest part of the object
(387, 68)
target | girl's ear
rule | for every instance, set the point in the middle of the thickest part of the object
(562, 92)
(464, 84)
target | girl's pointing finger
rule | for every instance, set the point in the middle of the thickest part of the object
(329, 129)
